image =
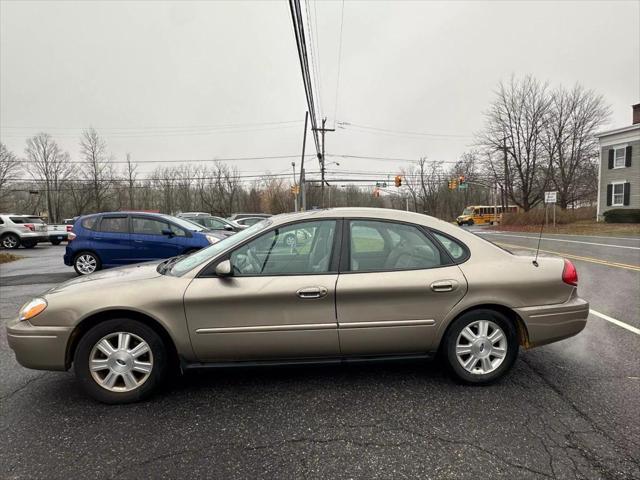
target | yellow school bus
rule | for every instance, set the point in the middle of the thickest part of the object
(483, 214)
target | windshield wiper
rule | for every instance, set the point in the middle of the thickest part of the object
(165, 266)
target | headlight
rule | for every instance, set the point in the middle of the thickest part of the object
(212, 240)
(32, 308)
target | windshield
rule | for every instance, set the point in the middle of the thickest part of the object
(194, 227)
(206, 254)
(468, 211)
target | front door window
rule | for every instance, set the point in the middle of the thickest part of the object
(298, 249)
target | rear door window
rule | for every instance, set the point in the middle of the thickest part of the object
(114, 225)
(148, 226)
(385, 246)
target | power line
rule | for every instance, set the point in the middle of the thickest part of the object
(335, 110)
(156, 127)
(296, 17)
(185, 160)
(313, 45)
(400, 132)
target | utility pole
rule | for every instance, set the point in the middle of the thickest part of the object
(321, 155)
(295, 190)
(303, 189)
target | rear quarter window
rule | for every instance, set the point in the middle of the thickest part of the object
(89, 223)
(457, 250)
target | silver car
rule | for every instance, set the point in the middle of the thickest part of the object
(25, 230)
(364, 284)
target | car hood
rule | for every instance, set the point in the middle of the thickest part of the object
(120, 275)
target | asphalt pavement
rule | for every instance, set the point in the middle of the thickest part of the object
(566, 410)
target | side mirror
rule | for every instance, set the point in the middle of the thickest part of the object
(228, 228)
(167, 232)
(223, 269)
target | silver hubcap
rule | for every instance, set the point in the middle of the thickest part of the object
(120, 362)
(481, 347)
(86, 264)
(9, 242)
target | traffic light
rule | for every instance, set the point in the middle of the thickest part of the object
(398, 181)
(295, 190)
(453, 184)
(461, 179)
(376, 192)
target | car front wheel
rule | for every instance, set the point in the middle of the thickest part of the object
(120, 361)
(481, 346)
(86, 263)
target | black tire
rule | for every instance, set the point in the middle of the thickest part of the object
(96, 334)
(56, 242)
(455, 330)
(77, 259)
(10, 241)
(470, 223)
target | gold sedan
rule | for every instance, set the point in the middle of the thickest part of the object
(326, 285)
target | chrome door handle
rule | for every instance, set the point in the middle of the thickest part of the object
(312, 292)
(444, 286)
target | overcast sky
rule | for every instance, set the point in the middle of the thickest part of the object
(159, 78)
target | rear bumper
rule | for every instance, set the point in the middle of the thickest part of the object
(41, 348)
(63, 236)
(550, 323)
(34, 237)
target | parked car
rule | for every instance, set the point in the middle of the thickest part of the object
(55, 233)
(248, 221)
(237, 216)
(369, 284)
(25, 230)
(120, 238)
(213, 223)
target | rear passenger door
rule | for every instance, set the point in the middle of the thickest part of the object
(396, 285)
(149, 241)
(112, 240)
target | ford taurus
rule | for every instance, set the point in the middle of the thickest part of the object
(327, 285)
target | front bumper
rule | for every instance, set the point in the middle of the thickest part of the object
(41, 348)
(550, 323)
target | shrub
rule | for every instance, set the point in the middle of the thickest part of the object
(536, 216)
(622, 215)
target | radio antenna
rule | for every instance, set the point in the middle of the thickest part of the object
(535, 260)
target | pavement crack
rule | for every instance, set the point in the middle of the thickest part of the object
(23, 386)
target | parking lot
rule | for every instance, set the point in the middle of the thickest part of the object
(567, 410)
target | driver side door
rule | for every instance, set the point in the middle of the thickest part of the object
(279, 301)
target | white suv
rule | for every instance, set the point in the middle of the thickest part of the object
(25, 230)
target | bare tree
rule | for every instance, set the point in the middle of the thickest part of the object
(8, 167)
(570, 141)
(97, 168)
(131, 175)
(50, 167)
(515, 123)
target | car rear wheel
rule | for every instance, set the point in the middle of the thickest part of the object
(56, 242)
(470, 223)
(120, 361)
(10, 240)
(481, 346)
(86, 263)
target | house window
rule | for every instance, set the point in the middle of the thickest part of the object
(618, 158)
(617, 194)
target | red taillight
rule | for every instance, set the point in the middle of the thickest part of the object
(30, 226)
(71, 236)
(569, 273)
(69, 228)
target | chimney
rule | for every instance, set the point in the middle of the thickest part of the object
(636, 113)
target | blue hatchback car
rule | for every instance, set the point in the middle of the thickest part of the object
(113, 239)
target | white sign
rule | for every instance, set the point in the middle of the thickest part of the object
(550, 197)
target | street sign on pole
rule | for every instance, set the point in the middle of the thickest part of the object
(550, 197)
(462, 186)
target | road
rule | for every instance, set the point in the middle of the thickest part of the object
(567, 410)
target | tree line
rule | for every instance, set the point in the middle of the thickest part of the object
(535, 138)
